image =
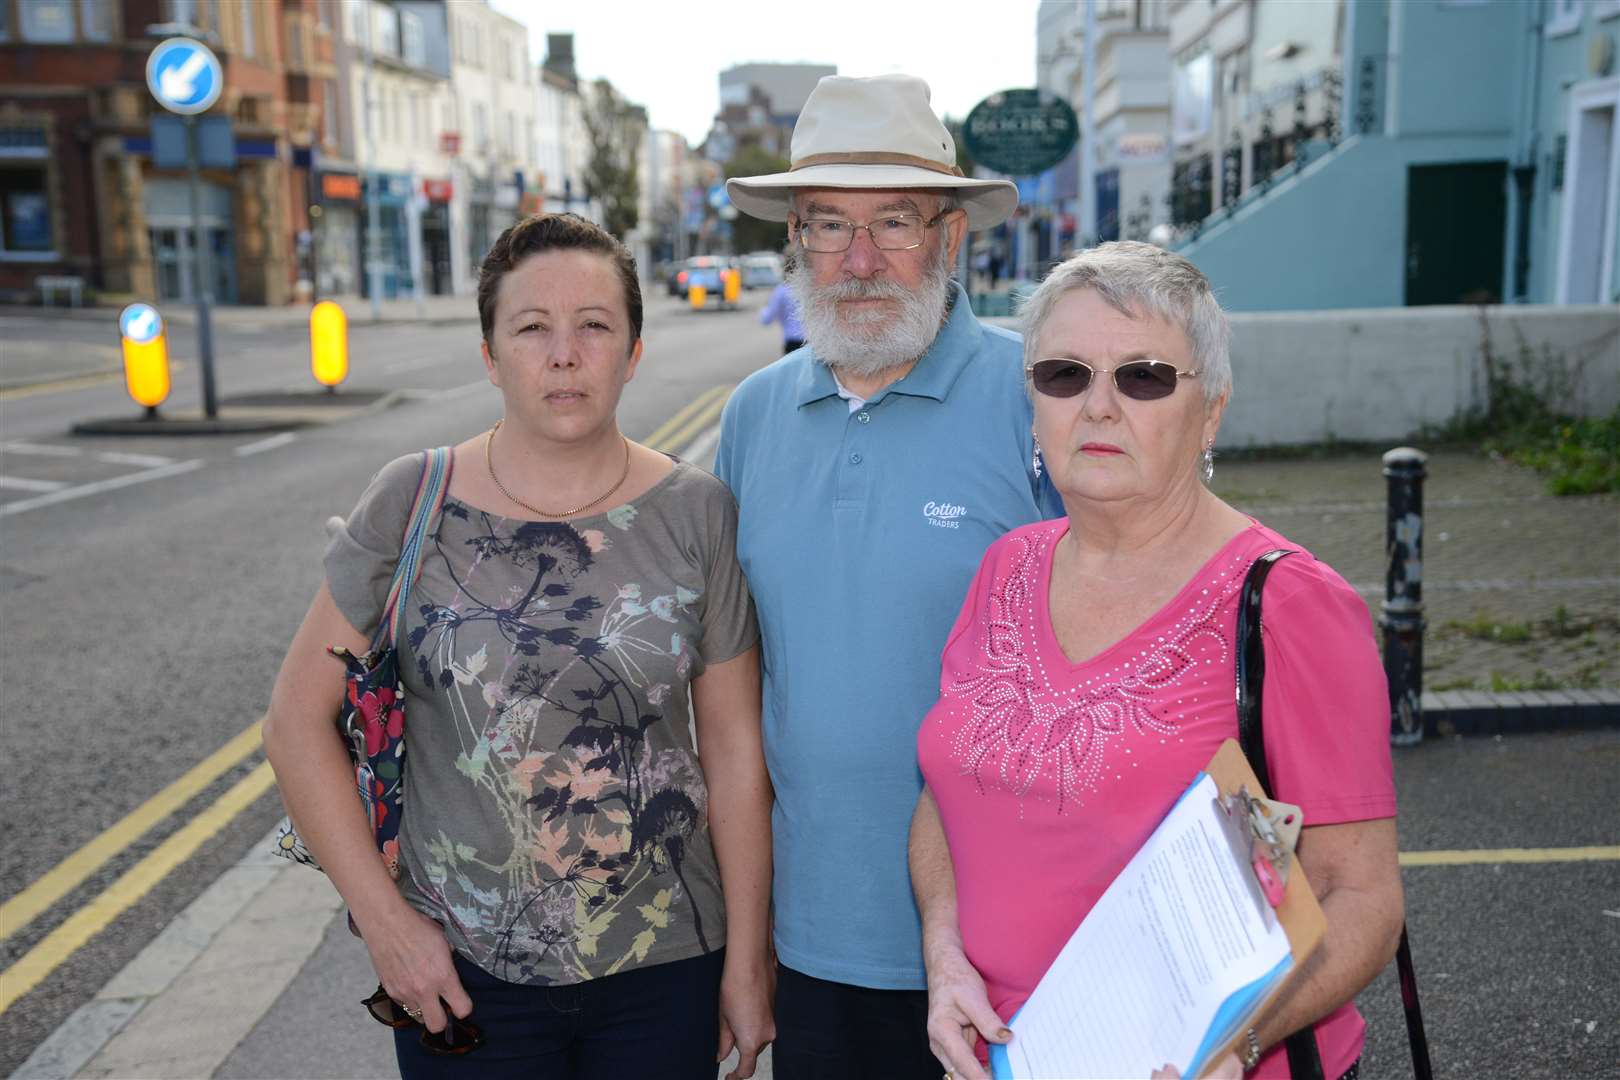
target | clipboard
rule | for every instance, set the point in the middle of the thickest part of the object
(1299, 913)
(1289, 909)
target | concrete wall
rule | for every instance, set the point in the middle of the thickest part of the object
(1381, 375)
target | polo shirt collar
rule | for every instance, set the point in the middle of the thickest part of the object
(932, 377)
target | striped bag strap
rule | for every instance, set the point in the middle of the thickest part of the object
(430, 492)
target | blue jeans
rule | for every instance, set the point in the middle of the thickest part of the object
(655, 1023)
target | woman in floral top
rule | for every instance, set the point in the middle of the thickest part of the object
(570, 874)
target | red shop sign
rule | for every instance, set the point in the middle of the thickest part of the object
(437, 190)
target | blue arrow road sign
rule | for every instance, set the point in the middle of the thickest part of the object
(140, 323)
(184, 75)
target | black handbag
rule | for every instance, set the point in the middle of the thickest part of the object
(1304, 1058)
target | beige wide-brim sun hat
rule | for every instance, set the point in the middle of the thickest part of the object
(877, 132)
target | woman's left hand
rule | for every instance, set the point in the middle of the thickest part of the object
(1228, 1068)
(747, 995)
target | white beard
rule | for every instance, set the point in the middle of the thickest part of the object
(868, 343)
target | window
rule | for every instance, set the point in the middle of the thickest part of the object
(249, 37)
(511, 147)
(354, 21)
(25, 211)
(323, 11)
(1563, 17)
(385, 30)
(410, 35)
(96, 20)
(48, 21)
(480, 127)
(416, 117)
(5, 22)
(329, 108)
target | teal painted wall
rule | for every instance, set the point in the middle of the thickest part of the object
(1332, 237)
(1456, 70)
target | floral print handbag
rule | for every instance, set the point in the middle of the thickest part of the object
(372, 715)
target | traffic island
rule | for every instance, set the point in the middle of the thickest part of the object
(250, 414)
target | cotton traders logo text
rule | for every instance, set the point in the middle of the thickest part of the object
(944, 515)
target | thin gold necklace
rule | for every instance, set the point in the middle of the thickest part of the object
(489, 459)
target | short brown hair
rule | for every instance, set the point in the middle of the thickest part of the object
(554, 232)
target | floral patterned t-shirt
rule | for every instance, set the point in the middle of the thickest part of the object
(556, 818)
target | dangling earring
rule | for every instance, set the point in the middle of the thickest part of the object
(1036, 463)
(1207, 462)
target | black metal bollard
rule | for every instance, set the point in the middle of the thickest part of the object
(1401, 616)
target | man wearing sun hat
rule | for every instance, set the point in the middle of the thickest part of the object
(872, 468)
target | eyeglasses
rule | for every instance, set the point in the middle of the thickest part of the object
(896, 232)
(458, 1037)
(1139, 380)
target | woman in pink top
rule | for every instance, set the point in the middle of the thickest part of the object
(1090, 677)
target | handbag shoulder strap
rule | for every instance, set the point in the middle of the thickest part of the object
(425, 507)
(1251, 666)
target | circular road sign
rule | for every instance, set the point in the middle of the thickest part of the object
(140, 323)
(1020, 132)
(184, 75)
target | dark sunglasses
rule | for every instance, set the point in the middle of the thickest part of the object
(458, 1037)
(1139, 380)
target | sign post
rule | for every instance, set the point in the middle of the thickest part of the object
(185, 77)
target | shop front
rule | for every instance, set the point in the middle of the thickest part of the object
(386, 196)
(436, 269)
(337, 234)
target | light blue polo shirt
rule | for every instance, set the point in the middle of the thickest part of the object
(860, 531)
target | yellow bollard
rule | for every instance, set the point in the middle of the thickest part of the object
(146, 355)
(733, 284)
(328, 344)
(696, 295)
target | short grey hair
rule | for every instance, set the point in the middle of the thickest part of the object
(1138, 279)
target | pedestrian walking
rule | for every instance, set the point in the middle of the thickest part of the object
(782, 308)
(872, 470)
(571, 876)
(1114, 633)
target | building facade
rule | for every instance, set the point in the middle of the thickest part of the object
(564, 147)
(1363, 177)
(495, 97)
(81, 197)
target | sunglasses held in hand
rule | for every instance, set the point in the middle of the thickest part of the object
(458, 1037)
(1139, 380)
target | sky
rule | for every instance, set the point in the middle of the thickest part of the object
(667, 55)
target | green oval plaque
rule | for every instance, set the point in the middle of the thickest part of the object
(1020, 132)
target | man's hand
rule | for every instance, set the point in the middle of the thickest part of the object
(746, 1017)
(959, 1009)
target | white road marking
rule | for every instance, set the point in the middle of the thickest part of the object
(274, 441)
(20, 483)
(84, 490)
(145, 461)
(40, 449)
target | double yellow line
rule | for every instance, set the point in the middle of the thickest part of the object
(88, 921)
(693, 419)
(52, 950)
